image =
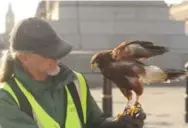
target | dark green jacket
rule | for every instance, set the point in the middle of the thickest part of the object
(51, 97)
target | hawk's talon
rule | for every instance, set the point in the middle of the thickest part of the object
(130, 110)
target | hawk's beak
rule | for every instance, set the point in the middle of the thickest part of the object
(94, 65)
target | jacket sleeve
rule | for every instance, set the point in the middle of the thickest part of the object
(10, 114)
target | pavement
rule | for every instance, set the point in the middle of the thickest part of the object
(164, 106)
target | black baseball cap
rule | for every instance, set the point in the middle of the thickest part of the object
(37, 36)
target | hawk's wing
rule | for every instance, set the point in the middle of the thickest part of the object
(127, 75)
(137, 50)
(129, 66)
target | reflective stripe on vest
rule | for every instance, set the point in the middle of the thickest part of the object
(46, 121)
(9, 89)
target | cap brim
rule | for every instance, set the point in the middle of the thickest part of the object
(57, 51)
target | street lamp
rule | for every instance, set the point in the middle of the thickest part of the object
(186, 98)
(107, 97)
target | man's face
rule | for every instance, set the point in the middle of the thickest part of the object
(40, 63)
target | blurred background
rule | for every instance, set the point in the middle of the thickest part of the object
(91, 26)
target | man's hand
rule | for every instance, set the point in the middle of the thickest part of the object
(134, 119)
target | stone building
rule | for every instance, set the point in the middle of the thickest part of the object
(99, 25)
(179, 12)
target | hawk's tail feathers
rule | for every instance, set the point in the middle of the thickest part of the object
(155, 74)
(175, 74)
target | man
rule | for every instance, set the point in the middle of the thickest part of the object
(38, 91)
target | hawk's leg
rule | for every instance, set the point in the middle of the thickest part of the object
(129, 100)
(128, 105)
(137, 104)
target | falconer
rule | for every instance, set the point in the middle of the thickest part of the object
(39, 91)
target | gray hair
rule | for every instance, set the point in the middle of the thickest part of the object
(7, 63)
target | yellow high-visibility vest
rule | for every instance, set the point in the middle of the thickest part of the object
(46, 121)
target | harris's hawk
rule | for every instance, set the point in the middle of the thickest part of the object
(123, 67)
